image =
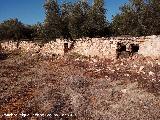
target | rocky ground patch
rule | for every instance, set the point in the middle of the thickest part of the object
(74, 87)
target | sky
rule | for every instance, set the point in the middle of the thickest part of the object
(32, 11)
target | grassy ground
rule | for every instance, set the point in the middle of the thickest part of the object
(75, 87)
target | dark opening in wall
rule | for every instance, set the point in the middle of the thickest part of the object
(134, 48)
(121, 51)
(121, 47)
(3, 56)
(66, 48)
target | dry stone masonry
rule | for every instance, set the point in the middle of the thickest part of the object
(102, 47)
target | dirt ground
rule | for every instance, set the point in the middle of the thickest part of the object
(74, 87)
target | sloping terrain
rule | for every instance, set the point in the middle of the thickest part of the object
(75, 87)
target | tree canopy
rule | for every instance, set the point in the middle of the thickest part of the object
(16, 30)
(137, 18)
(80, 19)
(75, 20)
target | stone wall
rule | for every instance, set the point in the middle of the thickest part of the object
(150, 47)
(101, 47)
(27, 46)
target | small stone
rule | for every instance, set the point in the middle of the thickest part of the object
(94, 60)
(127, 74)
(106, 76)
(124, 91)
(77, 59)
(113, 70)
(118, 68)
(153, 80)
(140, 69)
(135, 66)
(151, 73)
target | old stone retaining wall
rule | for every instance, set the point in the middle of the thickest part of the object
(150, 46)
(101, 47)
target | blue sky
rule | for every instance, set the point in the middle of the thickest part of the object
(31, 11)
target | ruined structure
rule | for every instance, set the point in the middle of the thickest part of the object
(112, 47)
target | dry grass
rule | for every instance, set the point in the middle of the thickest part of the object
(75, 87)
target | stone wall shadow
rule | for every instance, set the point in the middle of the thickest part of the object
(3, 56)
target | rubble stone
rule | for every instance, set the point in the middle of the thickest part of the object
(101, 47)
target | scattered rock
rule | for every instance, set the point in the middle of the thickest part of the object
(135, 66)
(124, 91)
(140, 69)
(151, 73)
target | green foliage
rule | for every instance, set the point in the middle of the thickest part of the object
(38, 31)
(16, 30)
(75, 20)
(137, 18)
(70, 21)
(76, 16)
(93, 20)
(11, 29)
(79, 19)
(96, 21)
(52, 24)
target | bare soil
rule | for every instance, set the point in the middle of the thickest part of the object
(74, 87)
